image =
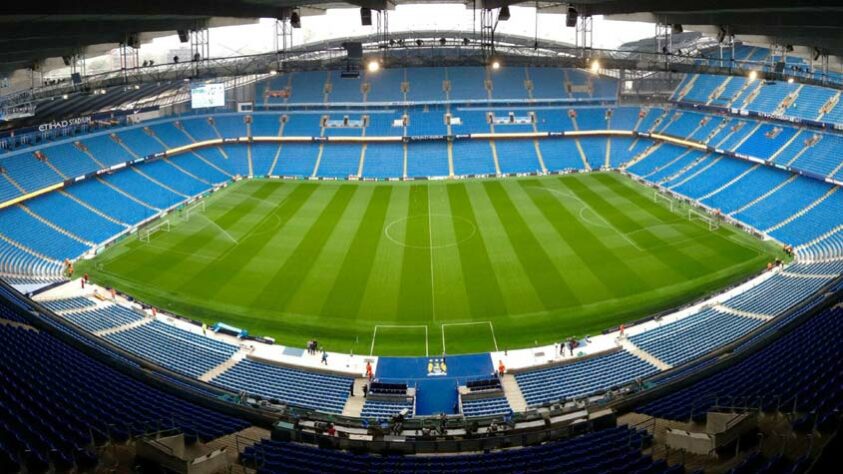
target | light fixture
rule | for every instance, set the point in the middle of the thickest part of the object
(753, 75)
(790, 80)
(273, 72)
(373, 66)
(64, 96)
(496, 64)
(595, 66)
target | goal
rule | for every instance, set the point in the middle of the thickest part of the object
(695, 215)
(191, 209)
(666, 200)
(146, 234)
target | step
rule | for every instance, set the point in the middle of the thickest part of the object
(223, 367)
(730, 183)
(354, 404)
(125, 327)
(91, 208)
(745, 314)
(803, 211)
(643, 355)
(764, 196)
(54, 226)
(513, 393)
(127, 195)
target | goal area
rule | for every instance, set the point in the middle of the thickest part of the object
(695, 215)
(145, 234)
(658, 197)
(192, 209)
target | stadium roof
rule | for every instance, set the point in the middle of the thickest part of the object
(33, 31)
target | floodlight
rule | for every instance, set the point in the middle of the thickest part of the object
(373, 66)
(790, 80)
(496, 65)
(595, 66)
(753, 75)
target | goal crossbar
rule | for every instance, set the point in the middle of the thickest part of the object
(146, 234)
(695, 215)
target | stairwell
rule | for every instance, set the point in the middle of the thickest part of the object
(820, 238)
(354, 404)
(28, 250)
(188, 173)
(723, 124)
(669, 163)
(829, 104)
(787, 101)
(124, 146)
(209, 163)
(14, 183)
(223, 367)
(644, 154)
(538, 149)
(751, 96)
(763, 196)
(745, 137)
(54, 226)
(685, 169)
(45, 160)
(716, 93)
(739, 93)
(277, 150)
(91, 208)
(787, 144)
(494, 149)
(643, 355)
(513, 393)
(835, 170)
(743, 314)
(127, 195)
(125, 327)
(803, 211)
(584, 159)
(688, 87)
(159, 183)
(730, 183)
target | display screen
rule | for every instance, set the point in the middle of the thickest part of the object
(207, 95)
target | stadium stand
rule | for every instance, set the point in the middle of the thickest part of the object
(323, 392)
(616, 449)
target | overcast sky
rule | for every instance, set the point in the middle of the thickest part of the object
(346, 22)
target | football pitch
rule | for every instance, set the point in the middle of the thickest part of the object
(414, 268)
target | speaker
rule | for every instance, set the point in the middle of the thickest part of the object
(295, 20)
(184, 35)
(354, 49)
(779, 68)
(504, 13)
(133, 40)
(571, 17)
(366, 16)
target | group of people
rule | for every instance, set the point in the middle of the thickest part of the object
(569, 346)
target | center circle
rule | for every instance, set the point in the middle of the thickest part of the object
(463, 229)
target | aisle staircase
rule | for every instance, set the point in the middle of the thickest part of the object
(513, 393)
(803, 211)
(763, 196)
(643, 355)
(55, 227)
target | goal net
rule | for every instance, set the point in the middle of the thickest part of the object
(192, 209)
(695, 215)
(666, 200)
(145, 235)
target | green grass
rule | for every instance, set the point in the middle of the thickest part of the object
(539, 258)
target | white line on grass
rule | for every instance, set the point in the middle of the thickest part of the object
(491, 328)
(375, 333)
(588, 206)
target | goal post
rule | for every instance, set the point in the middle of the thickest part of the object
(191, 209)
(666, 200)
(145, 235)
(695, 215)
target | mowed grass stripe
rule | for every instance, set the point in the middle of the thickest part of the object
(616, 275)
(708, 245)
(227, 266)
(287, 279)
(251, 206)
(346, 294)
(543, 275)
(483, 293)
(673, 260)
(448, 281)
(380, 300)
(415, 296)
(576, 272)
(518, 294)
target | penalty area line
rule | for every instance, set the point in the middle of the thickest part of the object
(395, 326)
(473, 323)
